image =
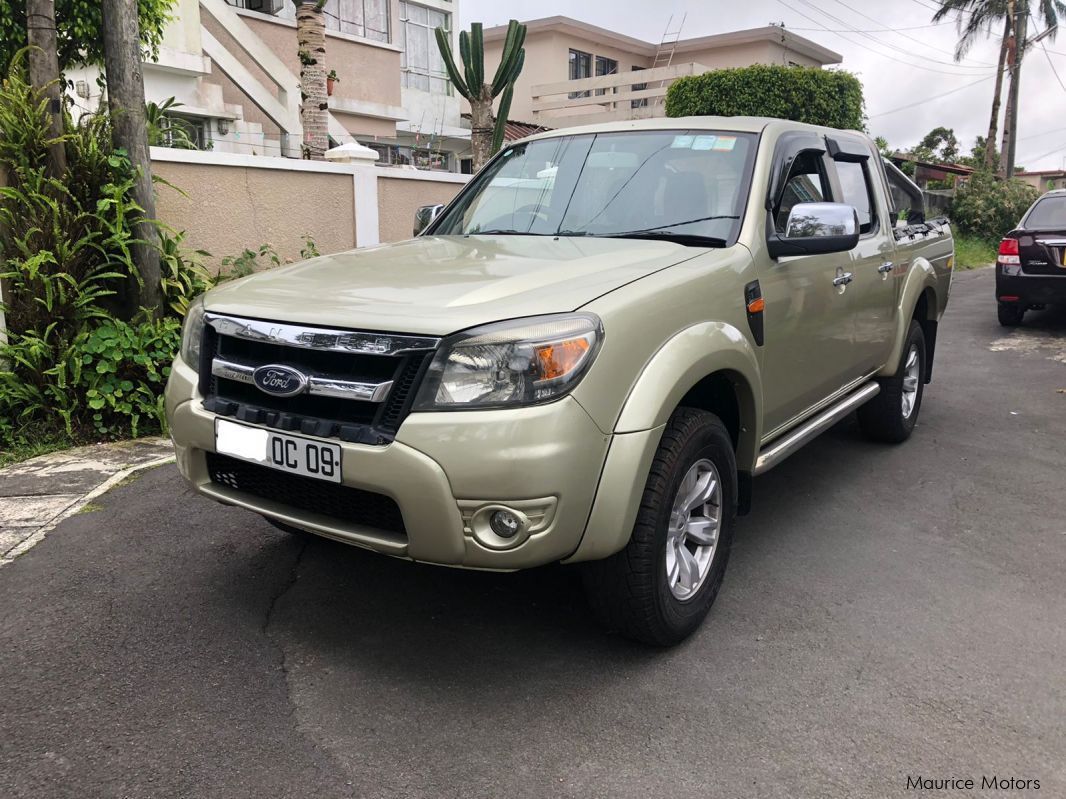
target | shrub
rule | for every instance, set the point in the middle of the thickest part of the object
(802, 94)
(70, 369)
(987, 207)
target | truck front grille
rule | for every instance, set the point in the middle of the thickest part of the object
(346, 505)
(233, 348)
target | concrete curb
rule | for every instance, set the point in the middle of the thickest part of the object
(88, 460)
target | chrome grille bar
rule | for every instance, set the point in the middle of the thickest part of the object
(320, 338)
(320, 386)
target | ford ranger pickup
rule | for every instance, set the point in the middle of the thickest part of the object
(585, 357)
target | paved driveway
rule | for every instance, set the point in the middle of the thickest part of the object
(888, 612)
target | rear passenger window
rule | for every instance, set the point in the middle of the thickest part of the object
(1049, 212)
(806, 183)
(855, 186)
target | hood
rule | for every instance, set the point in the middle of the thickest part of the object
(437, 285)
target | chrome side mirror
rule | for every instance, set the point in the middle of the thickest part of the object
(425, 215)
(816, 228)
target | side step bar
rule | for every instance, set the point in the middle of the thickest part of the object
(780, 449)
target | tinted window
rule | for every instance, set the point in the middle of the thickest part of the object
(806, 183)
(1049, 212)
(855, 185)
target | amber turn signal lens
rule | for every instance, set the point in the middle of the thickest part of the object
(561, 358)
(758, 305)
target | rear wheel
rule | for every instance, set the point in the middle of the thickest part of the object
(892, 414)
(1011, 313)
(660, 587)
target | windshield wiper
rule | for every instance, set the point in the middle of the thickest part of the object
(502, 232)
(685, 239)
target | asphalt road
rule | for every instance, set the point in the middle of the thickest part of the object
(888, 612)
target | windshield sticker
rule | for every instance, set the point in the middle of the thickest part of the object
(725, 143)
(704, 143)
(682, 142)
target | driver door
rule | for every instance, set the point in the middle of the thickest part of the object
(808, 327)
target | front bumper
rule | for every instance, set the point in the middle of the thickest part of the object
(1030, 289)
(440, 465)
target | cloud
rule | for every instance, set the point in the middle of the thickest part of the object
(898, 68)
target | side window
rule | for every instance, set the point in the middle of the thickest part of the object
(806, 183)
(858, 193)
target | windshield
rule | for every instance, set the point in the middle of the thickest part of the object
(1049, 212)
(689, 186)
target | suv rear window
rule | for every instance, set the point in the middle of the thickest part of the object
(1049, 212)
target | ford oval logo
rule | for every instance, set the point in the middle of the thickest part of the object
(281, 381)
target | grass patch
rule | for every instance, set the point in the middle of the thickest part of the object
(90, 507)
(972, 252)
(25, 449)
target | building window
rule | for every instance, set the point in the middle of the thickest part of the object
(421, 62)
(605, 66)
(638, 87)
(366, 18)
(580, 67)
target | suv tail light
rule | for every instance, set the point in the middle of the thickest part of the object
(1008, 253)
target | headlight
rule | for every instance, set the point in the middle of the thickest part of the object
(507, 364)
(192, 333)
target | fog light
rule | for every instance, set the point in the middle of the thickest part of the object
(505, 523)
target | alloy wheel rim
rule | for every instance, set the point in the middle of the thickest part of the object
(911, 377)
(694, 527)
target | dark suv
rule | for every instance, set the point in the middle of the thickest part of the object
(1031, 267)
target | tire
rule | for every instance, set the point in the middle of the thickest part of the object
(1010, 313)
(631, 591)
(889, 417)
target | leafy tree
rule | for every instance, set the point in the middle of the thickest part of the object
(939, 145)
(883, 148)
(79, 30)
(978, 154)
(802, 94)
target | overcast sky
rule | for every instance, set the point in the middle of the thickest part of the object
(898, 68)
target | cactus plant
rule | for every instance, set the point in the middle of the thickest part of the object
(486, 129)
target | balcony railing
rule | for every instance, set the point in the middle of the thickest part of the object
(626, 95)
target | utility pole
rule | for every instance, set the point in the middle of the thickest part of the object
(43, 60)
(125, 100)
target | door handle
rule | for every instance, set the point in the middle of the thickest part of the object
(843, 279)
(885, 268)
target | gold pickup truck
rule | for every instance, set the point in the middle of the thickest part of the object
(585, 357)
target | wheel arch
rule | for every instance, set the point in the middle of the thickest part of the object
(711, 366)
(918, 302)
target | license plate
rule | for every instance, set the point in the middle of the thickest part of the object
(281, 451)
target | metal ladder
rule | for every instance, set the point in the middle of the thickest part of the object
(664, 54)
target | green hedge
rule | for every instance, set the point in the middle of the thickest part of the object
(803, 94)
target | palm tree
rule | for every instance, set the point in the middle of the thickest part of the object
(975, 18)
(314, 107)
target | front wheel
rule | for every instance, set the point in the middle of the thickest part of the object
(659, 588)
(892, 414)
